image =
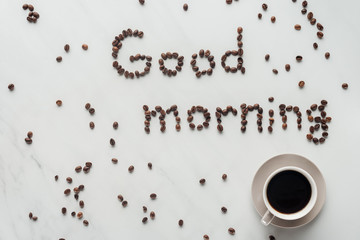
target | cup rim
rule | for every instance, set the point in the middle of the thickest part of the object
(306, 209)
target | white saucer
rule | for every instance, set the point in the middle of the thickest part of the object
(281, 161)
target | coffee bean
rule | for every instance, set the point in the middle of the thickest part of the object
(150, 165)
(78, 169)
(67, 48)
(87, 106)
(131, 169)
(297, 27)
(142, 2)
(271, 99)
(267, 57)
(298, 58)
(202, 181)
(313, 107)
(92, 125)
(11, 87)
(153, 196)
(67, 192)
(271, 237)
(152, 215)
(92, 111)
(85, 47)
(59, 103)
(224, 176)
(284, 126)
(30, 215)
(31, 7)
(112, 142)
(59, 59)
(185, 7)
(63, 210)
(324, 102)
(315, 140)
(231, 231)
(206, 237)
(69, 179)
(30, 134)
(28, 140)
(315, 45)
(264, 6)
(270, 129)
(200, 127)
(144, 220)
(345, 86)
(228, 1)
(115, 125)
(287, 67)
(124, 203)
(181, 222)
(56, 177)
(86, 223)
(301, 84)
(303, 11)
(25, 6)
(327, 55)
(220, 128)
(319, 26)
(34, 218)
(259, 15)
(275, 71)
(114, 160)
(320, 34)
(273, 19)
(120, 197)
(81, 204)
(224, 209)
(304, 4)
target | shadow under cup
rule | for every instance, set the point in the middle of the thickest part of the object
(289, 193)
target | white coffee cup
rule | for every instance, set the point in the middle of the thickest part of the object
(271, 213)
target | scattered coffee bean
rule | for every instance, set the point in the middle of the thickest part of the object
(273, 19)
(30, 134)
(152, 215)
(224, 209)
(114, 160)
(92, 125)
(231, 231)
(56, 177)
(259, 15)
(271, 237)
(144, 209)
(181, 222)
(228, 1)
(301, 84)
(67, 48)
(275, 71)
(35, 218)
(69, 179)
(11, 87)
(142, 2)
(73, 214)
(287, 67)
(86, 223)
(81, 204)
(315, 45)
(85, 47)
(224, 176)
(206, 237)
(153, 196)
(28, 140)
(345, 86)
(267, 57)
(30, 215)
(185, 7)
(202, 181)
(91, 111)
(264, 6)
(327, 55)
(124, 203)
(112, 142)
(67, 192)
(25, 6)
(63, 210)
(271, 99)
(319, 26)
(297, 27)
(120, 197)
(87, 106)
(59, 103)
(131, 169)
(144, 220)
(78, 169)
(298, 58)
(320, 34)
(150, 165)
(59, 59)
(115, 125)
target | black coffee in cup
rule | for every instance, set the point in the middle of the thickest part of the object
(288, 191)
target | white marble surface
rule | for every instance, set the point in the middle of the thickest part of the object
(62, 138)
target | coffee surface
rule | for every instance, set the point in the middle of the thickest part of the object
(288, 192)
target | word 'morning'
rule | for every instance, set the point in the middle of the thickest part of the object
(117, 44)
(319, 122)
